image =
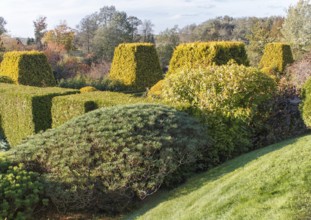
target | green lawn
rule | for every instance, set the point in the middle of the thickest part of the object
(270, 183)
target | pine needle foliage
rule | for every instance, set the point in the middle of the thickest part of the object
(106, 158)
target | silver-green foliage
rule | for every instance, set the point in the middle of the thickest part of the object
(297, 27)
(105, 158)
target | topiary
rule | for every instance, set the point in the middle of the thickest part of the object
(105, 158)
(88, 89)
(306, 104)
(136, 65)
(201, 54)
(5, 79)
(227, 98)
(156, 90)
(27, 68)
(276, 56)
(21, 191)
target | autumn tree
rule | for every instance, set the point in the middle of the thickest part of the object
(40, 26)
(61, 35)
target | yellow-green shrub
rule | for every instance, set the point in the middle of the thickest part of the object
(227, 98)
(156, 90)
(276, 56)
(88, 89)
(67, 107)
(306, 104)
(27, 68)
(136, 65)
(201, 54)
(26, 110)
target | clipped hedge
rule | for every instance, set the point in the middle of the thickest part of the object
(104, 160)
(25, 110)
(227, 98)
(275, 58)
(27, 68)
(201, 54)
(67, 107)
(156, 90)
(88, 89)
(136, 65)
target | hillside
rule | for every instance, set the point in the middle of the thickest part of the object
(269, 183)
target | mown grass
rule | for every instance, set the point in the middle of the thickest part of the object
(270, 183)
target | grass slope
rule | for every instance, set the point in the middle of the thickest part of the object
(270, 183)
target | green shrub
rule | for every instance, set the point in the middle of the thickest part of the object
(201, 54)
(306, 104)
(88, 89)
(21, 191)
(276, 56)
(227, 98)
(25, 110)
(106, 158)
(27, 68)
(156, 90)
(67, 107)
(5, 79)
(136, 65)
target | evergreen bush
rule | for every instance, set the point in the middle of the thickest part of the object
(227, 98)
(67, 107)
(106, 158)
(136, 65)
(27, 68)
(88, 89)
(306, 104)
(201, 54)
(156, 90)
(276, 56)
(26, 110)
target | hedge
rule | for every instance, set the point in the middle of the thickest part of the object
(67, 107)
(25, 110)
(136, 65)
(27, 68)
(276, 56)
(201, 54)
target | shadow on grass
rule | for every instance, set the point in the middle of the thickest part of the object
(202, 179)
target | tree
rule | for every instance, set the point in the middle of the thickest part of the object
(40, 26)
(134, 23)
(61, 35)
(147, 31)
(2, 25)
(297, 27)
(166, 42)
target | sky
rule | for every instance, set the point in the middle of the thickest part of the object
(20, 14)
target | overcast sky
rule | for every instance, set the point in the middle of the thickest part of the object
(20, 14)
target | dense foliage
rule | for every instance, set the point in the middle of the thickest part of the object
(67, 107)
(156, 90)
(105, 158)
(276, 56)
(227, 98)
(27, 68)
(26, 110)
(194, 55)
(306, 105)
(21, 191)
(136, 65)
(88, 89)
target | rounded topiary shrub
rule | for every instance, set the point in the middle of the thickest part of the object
(21, 191)
(136, 65)
(27, 68)
(106, 158)
(88, 89)
(227, 98)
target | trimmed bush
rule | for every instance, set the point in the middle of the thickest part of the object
(27, 68)
(202, 54)
(276, 56)
(5, 79)
(67, 107)
(26, 110)
(21, 191)
(227, 98)
(88, 89)
(106, 158)
(156, 90)
(136, 65)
